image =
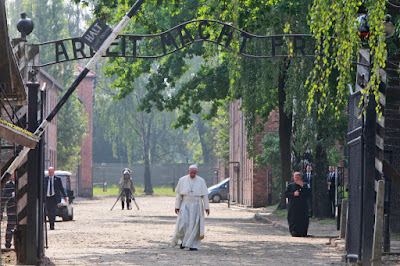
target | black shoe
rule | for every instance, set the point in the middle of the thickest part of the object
(181, 247)
(193, 249)
(51, 228)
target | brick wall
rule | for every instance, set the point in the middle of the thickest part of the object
(85, 94)
(248, 185)
(52, 86)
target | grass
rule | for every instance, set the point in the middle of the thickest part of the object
(283, 214)
(280, 213)
(395, 236)
(324, 220)
(114, 190)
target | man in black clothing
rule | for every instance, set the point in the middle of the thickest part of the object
(298, 193)
(8, 201)
(53, 189)
(307, 179)
(331, 181)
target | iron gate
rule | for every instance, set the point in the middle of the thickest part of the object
(355, 159)
(340, 188)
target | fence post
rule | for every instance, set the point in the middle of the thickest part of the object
(378, 230)
(343, 219)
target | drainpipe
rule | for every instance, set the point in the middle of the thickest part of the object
(233, 150)
(241, 155)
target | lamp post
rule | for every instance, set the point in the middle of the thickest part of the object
(216, 176)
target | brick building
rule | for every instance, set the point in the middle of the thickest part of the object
(249, 185)
(51, 88)
(85, 173)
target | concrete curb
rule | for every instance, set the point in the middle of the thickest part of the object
(338, 243)
(264, 219)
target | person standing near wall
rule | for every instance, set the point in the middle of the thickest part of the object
(331, 182)
(54, 190)
(8, 202)
(298, 214)
(307, 179)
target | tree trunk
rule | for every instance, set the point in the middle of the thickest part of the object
(320, 187)
(148, 188)
(285, 132)
(204, 145)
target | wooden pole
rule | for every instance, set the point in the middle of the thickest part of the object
(378, 229)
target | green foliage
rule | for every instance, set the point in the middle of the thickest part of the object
(270, 155)
(126, 128)
(220, 126)
(72, 126)
(335, 156)
(337, 18)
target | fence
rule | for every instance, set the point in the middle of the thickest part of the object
(161, 175)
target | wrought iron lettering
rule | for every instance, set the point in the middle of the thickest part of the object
(228, 32)
(177, 38)
(79, 49)
(168, 39)
(63, 51)
(185, 36)
(201, 30)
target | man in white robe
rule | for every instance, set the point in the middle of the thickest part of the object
(191, 201)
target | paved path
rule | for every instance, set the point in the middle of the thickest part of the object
(233, 237)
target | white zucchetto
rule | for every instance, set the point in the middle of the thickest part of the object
(193, 166)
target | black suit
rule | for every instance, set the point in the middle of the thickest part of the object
(331, 191)
(307, 179)
(52, 201)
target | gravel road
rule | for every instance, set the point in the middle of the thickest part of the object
(142, 237)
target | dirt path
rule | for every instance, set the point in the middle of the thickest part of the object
(233, 237)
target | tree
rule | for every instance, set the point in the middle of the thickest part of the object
(261, 84)
(271, 157)
(218, 78)
(124, 125)
(71, 130)
(220, 125)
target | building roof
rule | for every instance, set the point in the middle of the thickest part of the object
(50, 78)
(10, 76)
(12, 86)
(79, 69)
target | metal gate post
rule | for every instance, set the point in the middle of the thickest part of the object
(26, 241)
(369, 181)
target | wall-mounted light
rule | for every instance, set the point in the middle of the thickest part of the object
(236, 168)
(388, 25)
(361, 81)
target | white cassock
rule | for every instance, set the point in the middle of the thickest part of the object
(191, 194)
